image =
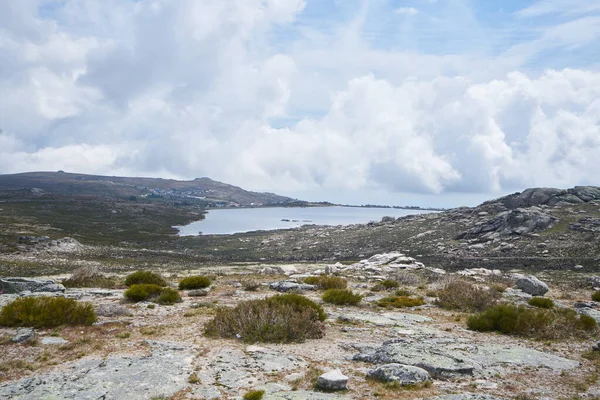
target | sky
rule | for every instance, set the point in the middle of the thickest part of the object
(429, 102)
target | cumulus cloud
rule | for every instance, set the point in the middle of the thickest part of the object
(242, 91)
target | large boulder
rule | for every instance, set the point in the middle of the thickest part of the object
(332, 381)
(403, 374)
(532, 285)
(18, 285)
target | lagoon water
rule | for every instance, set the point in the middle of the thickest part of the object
(236, 220)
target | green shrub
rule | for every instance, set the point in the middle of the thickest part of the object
(254, 395)
(325, 282)
(387, 284)
(462, 295)
(299, 302)
(194, 282)
(403, 292)
(145, 277)
(400, 302)
(266, 321)
(341, 297)
(596, 295)
(142, 292)
(312, 280)
(46, 312)
(541, 302)
(169, 296)
(89, 277)
(536, 323)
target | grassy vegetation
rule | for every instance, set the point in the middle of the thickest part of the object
(254, 395)
(194, 282)
(461, 295)
(326, 282)
(541, 302)
(142, 292)
(536, 323)
(46, 312)
(145, 277)
(299, 301)
(279, 319)
(168, 296)
(89, 277)
(341, 297)
(596, 295)
(400, 302)
(388, 284)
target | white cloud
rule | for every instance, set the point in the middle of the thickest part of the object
(186, 89)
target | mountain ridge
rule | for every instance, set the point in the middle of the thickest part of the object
(203, 190)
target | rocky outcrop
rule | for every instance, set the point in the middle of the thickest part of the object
(515, 222)
(547, 196)
(286, 286)
(18, 285)
(447, 358)
(532, 285)
(402, 374)
(163, 373)
(44, 243)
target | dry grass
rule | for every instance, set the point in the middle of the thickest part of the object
(89, 277)
(538, 323)
(458, 294)
(268, 320)
(400, 302)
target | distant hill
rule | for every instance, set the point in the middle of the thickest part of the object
(200, 190)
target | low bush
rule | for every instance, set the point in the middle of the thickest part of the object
(387, 284)
(169, 296)
(407, 278)
(267, 320)
(596, 295)
(298, 301)
(254, 395)
(539, 323)
(145, 277)
(341, 297)
(250, 285)
(326, 282)
(89, 277)
(402, 292)
(46, 312)
(400, 302)
(461, 295)
(194, 282)
(312, 280)
(142, 292)
(541, 302)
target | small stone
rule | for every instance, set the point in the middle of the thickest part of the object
(332, 380)
(24, 335)
(53, 340)
(198, 292)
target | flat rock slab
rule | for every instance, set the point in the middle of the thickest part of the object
(163, 373)
(387, 319)
(302, 395)
(465, 396)
(53, 340)
(233, 369)
(451, 358)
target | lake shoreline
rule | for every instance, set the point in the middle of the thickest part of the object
(228, 221)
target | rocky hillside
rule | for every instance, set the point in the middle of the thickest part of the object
(545, 228)
(204, 190)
